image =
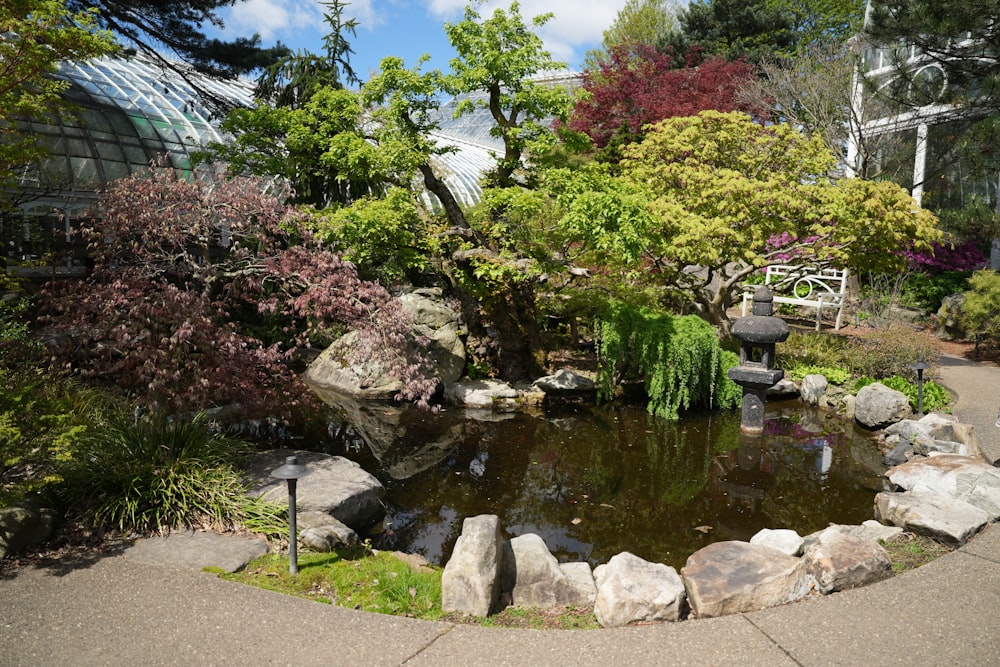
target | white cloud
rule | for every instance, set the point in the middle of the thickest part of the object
(275, 19)
(575, 23)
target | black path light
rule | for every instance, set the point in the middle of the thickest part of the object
(291, 472)
(920, 367)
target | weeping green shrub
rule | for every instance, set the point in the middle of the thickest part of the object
(156, 473)
(679, 359)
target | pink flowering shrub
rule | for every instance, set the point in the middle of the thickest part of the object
(203, 292)
(965, 256)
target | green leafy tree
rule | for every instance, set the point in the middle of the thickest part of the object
(293, 79)
(821, 21)
(712, 198)
(639, 22)
(36, 36)
(304, 117)
(501, 56)
(753, 29)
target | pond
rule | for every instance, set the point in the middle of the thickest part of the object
(593, 481)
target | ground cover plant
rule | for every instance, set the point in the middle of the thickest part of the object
(356, 578)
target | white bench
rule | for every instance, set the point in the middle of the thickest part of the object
(804, 286)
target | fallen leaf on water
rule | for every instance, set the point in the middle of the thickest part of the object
(703, 529)
(576, 521)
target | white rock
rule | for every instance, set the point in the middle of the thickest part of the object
(936, 516)
(784, 540)
(470, 583)
(630, 590)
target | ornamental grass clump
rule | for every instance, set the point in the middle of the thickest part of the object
(156, 473)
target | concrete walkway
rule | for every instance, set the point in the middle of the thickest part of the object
(121, 611)
(978, 389)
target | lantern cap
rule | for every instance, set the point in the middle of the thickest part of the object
(290, 470)
(921, 365)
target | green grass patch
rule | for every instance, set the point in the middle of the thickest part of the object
(379, 582)
(357, 579)
(909, 551)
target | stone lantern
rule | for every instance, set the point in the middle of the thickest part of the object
(758, 333)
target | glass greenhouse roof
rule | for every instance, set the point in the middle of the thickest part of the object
(130, 112)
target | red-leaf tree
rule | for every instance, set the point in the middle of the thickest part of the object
(203, 291)
(636, 85)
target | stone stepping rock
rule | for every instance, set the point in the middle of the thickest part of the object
(198, 550)
(953, 476)
(735, 577)
(335, 485)
(930, 514)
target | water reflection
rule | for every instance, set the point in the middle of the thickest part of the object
(595, 481)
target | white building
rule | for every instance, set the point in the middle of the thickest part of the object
(908, 124)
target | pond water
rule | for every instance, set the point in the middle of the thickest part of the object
(595, 481)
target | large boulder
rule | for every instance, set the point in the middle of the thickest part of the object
(433, 319)
(535, 578)
(932, 433)
(958, 477)
(581, 579)
(335, 485)
(470, 583)
(633, 590)
(948, 323)
(490, 394)
(735, 577)
(839, 561)
(869, 530)
(438, 322)
(321, 532)
(813, 388)
(944, 519)
(564, 381)
(23, 525)
(877, 406)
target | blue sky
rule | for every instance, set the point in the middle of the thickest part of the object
(408, 28)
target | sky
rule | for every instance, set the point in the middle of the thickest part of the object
(409, 29)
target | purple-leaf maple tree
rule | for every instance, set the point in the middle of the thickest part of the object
(636, 85)
(203, 291)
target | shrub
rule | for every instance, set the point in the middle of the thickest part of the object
(882, 353)
(926, 290)
(15, 338)
(812, 349)
(833, 375)
(935, 396)
(981, 311)
(42, 419)
(678, 358)
(156, 473)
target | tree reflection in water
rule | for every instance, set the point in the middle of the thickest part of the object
(595, 481)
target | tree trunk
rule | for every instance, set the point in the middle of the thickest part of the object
(440, 190)
(522, 354)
